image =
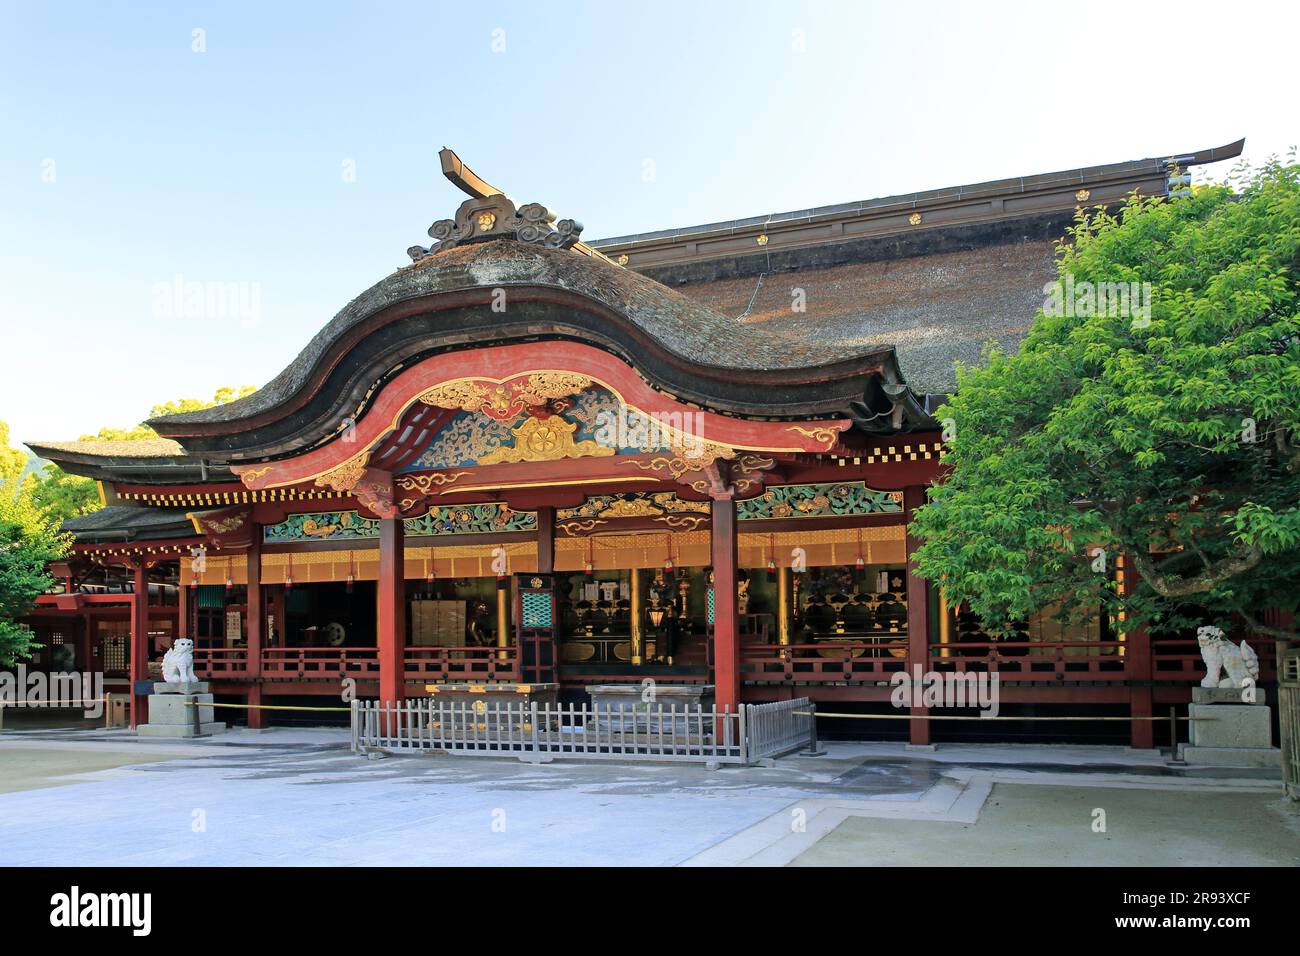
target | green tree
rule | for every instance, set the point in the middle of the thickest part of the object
(29, 541)
(1171, 437)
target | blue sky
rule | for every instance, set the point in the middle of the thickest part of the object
(128, 159)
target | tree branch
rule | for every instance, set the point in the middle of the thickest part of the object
(1244, 558)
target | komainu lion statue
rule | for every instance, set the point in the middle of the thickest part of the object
(178, 662)
(1239, 661)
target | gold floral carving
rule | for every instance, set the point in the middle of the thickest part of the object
(674, 465)
(427, 482)
(223, 525)
(466, 395)
(574, 527)
(251, 476)
(824, 434)
(505, 400)
(546, 439)
(346, 475)
(683, 522)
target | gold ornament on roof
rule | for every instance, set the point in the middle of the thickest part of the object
(346, 475)
(914, 219)
(546, 439)
(1082, 195)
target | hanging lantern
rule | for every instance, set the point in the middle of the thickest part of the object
(668, 554)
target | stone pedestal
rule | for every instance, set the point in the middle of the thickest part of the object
(1239, 735)
(674, 710)
(172, 708)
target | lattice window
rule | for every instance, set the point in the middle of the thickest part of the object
(536, 607)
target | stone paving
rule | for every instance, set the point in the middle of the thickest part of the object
(300, 797)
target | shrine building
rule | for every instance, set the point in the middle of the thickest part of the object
(525, 458)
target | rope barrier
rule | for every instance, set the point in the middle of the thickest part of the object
(809, 713)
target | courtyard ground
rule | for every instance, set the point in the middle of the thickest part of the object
(300, 797)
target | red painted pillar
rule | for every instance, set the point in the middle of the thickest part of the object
(392, 610)
(254, 625)
(1138, 670)
(726, 624)
(545, 540)
(918, 617)
(138, 668)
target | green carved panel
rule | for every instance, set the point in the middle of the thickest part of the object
(835, 499)
(487, 518)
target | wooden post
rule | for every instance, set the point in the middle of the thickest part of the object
(254, 624)
(918, 617)
(138, 669)
(391, 607)
(1137, 668)
(182, 604)
(726, 625)
(783, 606)
(636, 629)
(545, 540)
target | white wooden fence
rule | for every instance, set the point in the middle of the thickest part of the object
(654, 732)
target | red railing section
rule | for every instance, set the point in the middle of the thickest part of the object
(462, 664)
(1048, 661)
(1173, 660)
(215, 663)
(328, 663)
(332, 663)
(828, 661)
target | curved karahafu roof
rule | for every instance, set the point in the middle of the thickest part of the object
(443, 302)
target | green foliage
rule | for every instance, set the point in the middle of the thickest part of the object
(29, 541)
(60, 495)
(223, 396)
(1173, 438)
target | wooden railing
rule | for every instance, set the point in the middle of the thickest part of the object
(216, 663)
(331, 663)
(319, 663)
(462, 664)
(824, 662)
(1032, 660)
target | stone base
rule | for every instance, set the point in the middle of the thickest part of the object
(171, 714)
(619, 707)
(1227, 695)
(1232, 756)
(177, 730)
(1231, 726)
(180, 687)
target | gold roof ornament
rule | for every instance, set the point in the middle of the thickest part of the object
(491, 214)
